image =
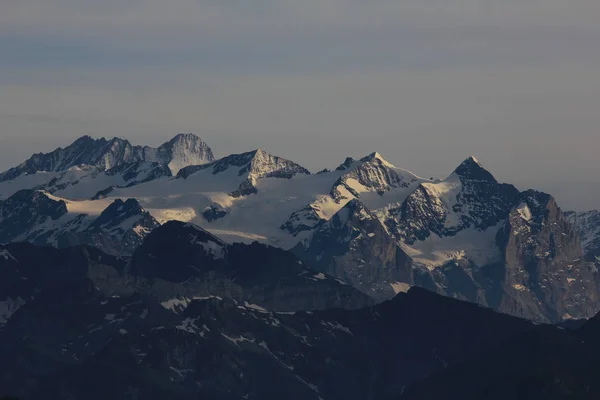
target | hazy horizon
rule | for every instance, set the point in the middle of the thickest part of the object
(426, 84)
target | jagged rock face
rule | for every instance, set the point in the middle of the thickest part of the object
(587, 225)
(130, 174)
(544, 274)
(24, 215)
(355, 247)
(540, 275)
(470, 198)
(303, 220)
(372, 173)
(348, 162)
(471, 238)
(35, 217)
(70, 338)
(369, 175)
(251, 166)
(213, 213)
(183, 150)
(264, 275)
(121, 228)
(264, 165)
(99, 153)
(537, 273)
(140, 172)
(105, 155)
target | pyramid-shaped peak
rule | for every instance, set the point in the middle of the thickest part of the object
(346, 164)
(264, 164)
(472, 169)
(184, 150)
(377, 157)
(262, 153)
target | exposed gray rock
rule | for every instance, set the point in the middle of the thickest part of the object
(118, 155)
(36, 217)
(213, 213)
(260, 274)
(251, 167)
(544, 273)
(541, 276)
(477, 200)
(587, 225)
(355, 247)
(371, 172)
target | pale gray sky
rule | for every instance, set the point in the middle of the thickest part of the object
(424, 82)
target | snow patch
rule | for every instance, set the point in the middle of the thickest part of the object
(400, 287)
(337, 326)
(524, 211)
(179, 304)
(255, 307)
(6, 255)
(519, 287)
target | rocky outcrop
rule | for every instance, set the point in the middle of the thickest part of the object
(250, 167)
(39, 218)
(101, 153)
(26, 215)
(260, 274)
(105, 155)
(540, 276)
(373, 174)
(120, 229)
(355, 247)
(538, 272)
(543, 271)
(469, 198)
(303, 220)
(587, 225)
(214, 212)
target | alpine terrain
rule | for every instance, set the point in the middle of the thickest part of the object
(132, 272)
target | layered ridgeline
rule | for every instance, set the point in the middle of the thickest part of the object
(191, 317)
(587, 224)
(379, 228)
(77, 171)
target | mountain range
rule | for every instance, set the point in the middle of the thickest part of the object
(174, 274)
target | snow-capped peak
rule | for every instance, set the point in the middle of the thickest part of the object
(372, 174)
(474, 159)
(472, 169)
(183, 150)
(377, 157)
